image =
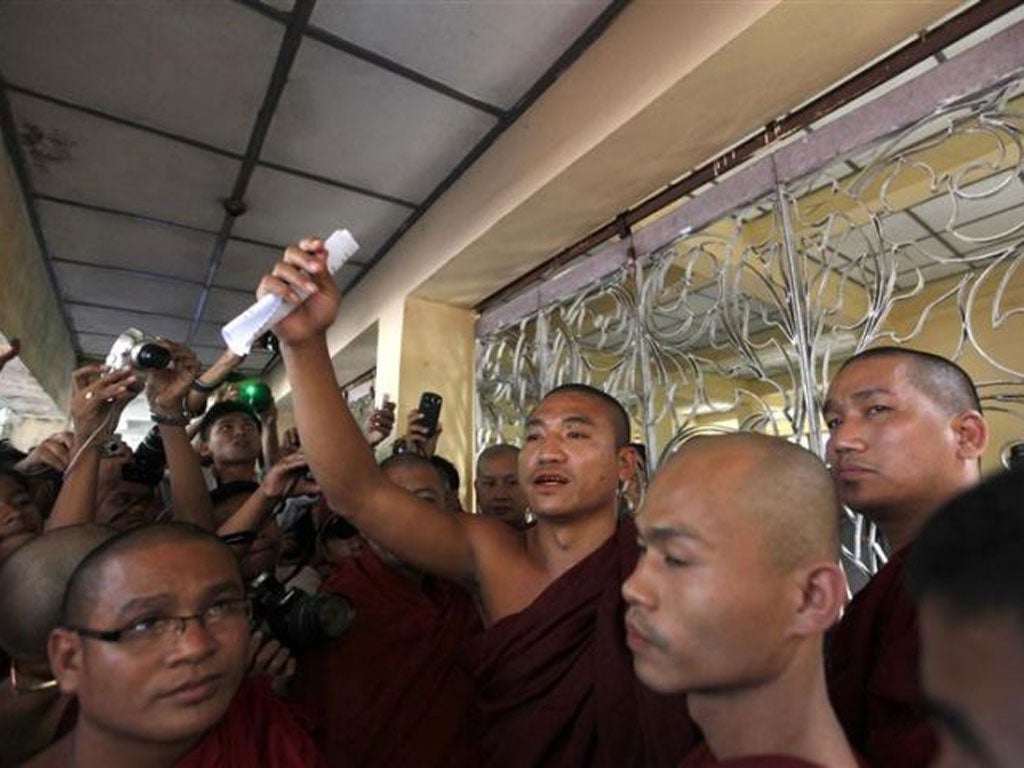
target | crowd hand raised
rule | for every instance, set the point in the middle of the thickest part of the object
(268, 657)
(290, 442)
(52, 453)
(380, 423)
(417, 437)
(287, 478)
(302, 272)
(98, 398)
(166, 388)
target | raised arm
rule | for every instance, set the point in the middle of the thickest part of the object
(166, 391)
(96, 404)
(338, 454)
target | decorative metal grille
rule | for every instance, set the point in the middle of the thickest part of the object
(915, 239)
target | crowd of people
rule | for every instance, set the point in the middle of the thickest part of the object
(227, 595)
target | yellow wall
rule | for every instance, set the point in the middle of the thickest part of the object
(28, 306)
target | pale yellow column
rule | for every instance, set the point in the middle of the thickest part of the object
(437, 355)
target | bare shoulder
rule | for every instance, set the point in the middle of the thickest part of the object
(509, 579)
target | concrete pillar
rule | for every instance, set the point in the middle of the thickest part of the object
(437, 355)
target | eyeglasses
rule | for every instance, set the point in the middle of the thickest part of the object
(151, 631)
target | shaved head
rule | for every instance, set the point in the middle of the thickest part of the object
(86, 581)
(32, 585)
(778, 487)
(739, 579)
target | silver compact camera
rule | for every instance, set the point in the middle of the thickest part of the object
(134, 349)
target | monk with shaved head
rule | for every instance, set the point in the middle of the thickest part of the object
(738, 582)
(153, 644)
(32, 585)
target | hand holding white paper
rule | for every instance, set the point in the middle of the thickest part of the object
(241, 332)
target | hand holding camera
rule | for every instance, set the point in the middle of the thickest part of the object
(288, 477)
(166, 387)
(99, 395)
(380, 422)
(424, 427)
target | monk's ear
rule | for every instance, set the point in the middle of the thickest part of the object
(65, 651)
(823, 596)
(204, 450)
(627, 464)
(972, 434)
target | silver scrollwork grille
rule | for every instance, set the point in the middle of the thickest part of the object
(740, 304)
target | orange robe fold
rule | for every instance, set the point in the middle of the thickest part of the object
(257, 730)
(873, 673)
(392, 691)
(555, 682)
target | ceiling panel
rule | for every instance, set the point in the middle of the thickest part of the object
(284, 208)
(95, 345)
(99, 286)
(160, 64)
(121, 241)
(349, 120)
(224, 305)
(208, 335)
(243, 264)
(491, 51)
(109, 321)
(106, 164)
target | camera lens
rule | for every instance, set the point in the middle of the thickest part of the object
(150, 356)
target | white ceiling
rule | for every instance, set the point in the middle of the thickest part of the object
(136, 120)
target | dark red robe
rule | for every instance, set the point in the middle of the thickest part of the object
(701, 757)
(393, 690)
(258, 729)
(873, 673)
(555, 682)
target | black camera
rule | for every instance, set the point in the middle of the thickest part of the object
(148, 461)
(297, 619)
(134, 349)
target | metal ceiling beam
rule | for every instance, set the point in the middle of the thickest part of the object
(113, 308)
(298, 20)
(383, 62)
(168, 223)
(127, 214)
(927, 44)
(17, 158)
(205, 146)
(144, 273)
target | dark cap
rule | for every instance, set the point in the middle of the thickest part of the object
(225, 408)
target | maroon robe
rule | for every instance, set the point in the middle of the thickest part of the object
(258, 729)
(392, 690)
(555, 682)
(873, 673)
(701, 756)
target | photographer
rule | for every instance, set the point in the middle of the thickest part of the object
(127, 492)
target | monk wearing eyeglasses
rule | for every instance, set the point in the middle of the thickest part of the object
(153, 644)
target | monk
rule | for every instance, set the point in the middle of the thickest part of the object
(967, 574)
(497, 485)
(738, 582)
(33, 711)
(905, 436)
(153, 645)
(555, 684)
(392, 691)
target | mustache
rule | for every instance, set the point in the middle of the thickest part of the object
(635, 617)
